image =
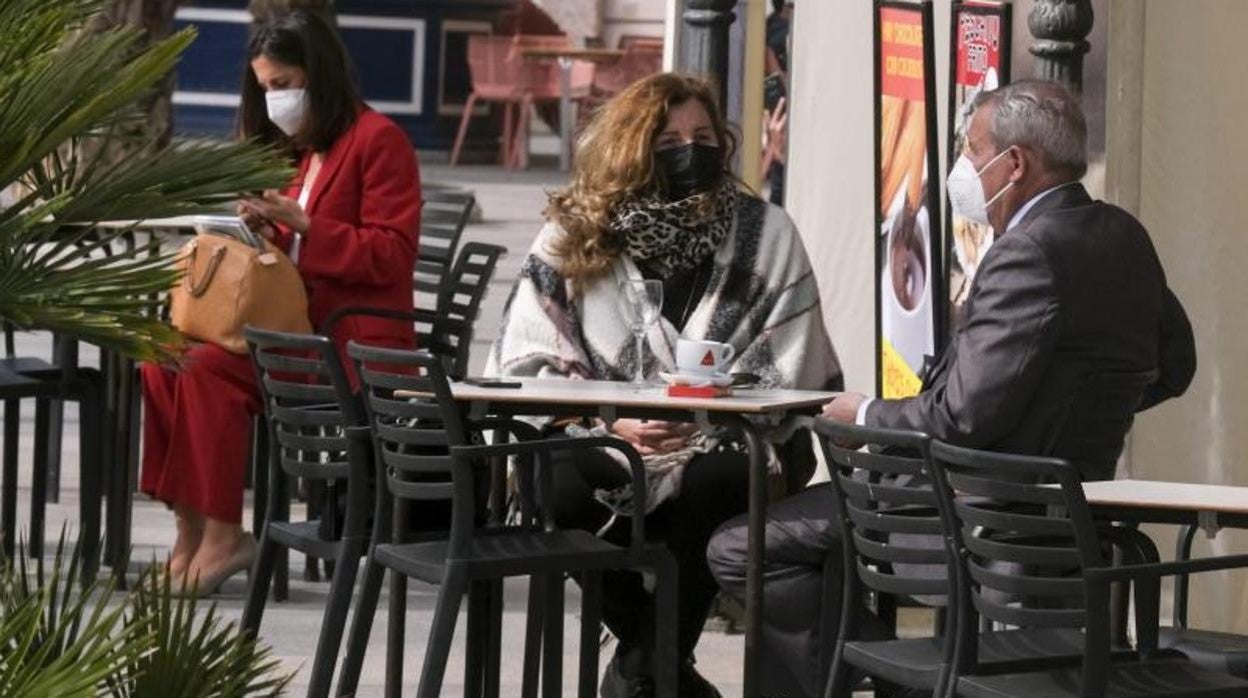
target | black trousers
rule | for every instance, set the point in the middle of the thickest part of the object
(714, 488)
(799, 536)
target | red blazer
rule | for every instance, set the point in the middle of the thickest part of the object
(361, 246)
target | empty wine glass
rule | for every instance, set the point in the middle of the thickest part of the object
(642, 302)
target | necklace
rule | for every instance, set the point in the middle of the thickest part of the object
(694, 293)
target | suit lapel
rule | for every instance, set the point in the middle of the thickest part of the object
(329, 168)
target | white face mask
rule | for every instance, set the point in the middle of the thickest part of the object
(966, 189)
(286, 109)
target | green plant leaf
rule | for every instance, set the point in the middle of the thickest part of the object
(66, 98)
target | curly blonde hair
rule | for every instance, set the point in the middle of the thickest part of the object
(615, 161)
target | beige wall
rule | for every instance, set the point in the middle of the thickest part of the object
(830, 188)
(632, 17)
(1194, 175)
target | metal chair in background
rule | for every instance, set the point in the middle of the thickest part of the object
(443, 217)
(1217, 651)
(62, 379)
(448, 329)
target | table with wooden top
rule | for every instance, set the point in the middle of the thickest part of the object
(749, 410)
(565, 56)
(1155, 501)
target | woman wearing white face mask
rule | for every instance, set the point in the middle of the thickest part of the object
(350, 221)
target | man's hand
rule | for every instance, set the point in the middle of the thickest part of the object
(653, 437)
(844, 408)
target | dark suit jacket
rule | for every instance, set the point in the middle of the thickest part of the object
(1074, 290)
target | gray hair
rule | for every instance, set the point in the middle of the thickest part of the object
(1041, 115)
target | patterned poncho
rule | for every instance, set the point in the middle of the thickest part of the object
(762, 299)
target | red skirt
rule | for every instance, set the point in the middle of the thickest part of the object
(196, 431)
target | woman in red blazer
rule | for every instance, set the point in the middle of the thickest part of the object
(350, 222)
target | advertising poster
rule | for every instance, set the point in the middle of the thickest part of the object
(908, 250)
(979, 60)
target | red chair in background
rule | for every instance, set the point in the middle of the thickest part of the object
(503, 71)
(643, 56)
(543, 89)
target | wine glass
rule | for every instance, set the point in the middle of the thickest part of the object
(642, 302)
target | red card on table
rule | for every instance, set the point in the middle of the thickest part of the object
(699, 390)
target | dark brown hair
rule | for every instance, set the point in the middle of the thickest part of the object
(305, 40)
(615, 161)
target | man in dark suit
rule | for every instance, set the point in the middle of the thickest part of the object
(1070, 292)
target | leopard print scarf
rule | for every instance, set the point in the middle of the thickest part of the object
(675, 236)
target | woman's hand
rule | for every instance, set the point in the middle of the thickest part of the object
(653, 437)
(775, 135)
(277, 208)
(255, 222)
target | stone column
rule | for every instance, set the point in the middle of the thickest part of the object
(1060, 28)
(704, 47)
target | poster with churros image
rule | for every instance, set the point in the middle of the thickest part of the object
(909, 275)
(979, 60)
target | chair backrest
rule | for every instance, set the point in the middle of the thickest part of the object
(640, 59)
(443, 218)
(459, 303)
(887, 510)
(412, 434)
(1022, 543)
(1099, 415)
(635, 41)
(494, 66)
(308, 404)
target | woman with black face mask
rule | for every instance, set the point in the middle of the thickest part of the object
(652, 197)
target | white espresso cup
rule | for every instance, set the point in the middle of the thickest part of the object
(702, 356)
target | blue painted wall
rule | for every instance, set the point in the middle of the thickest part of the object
(382, 53)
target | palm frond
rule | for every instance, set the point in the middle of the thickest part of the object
(57, 637)
(196, 655)
(66, 98)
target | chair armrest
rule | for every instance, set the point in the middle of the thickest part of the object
(523, 431)
(465, 455)
(1165, 569)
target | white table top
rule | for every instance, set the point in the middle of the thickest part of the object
(618, 394)
(1158, 494)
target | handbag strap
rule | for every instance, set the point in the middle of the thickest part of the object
(197, 288)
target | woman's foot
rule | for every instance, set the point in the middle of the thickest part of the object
(224, 551)
(190, 534)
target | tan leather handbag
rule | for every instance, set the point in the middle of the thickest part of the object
(227, 284)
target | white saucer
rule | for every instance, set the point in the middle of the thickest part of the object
(715, 379)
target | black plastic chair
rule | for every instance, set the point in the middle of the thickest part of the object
(875, 497)
(318, 432)
(448, 329)
(996, 517)
(1217, 651)
(443, 217)
(23, 378)
(423, 454)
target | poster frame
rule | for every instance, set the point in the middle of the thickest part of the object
(1004, 10)
(934, 191)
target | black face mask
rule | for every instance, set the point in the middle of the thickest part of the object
(690, 169)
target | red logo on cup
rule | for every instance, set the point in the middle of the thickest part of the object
(709, 359)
